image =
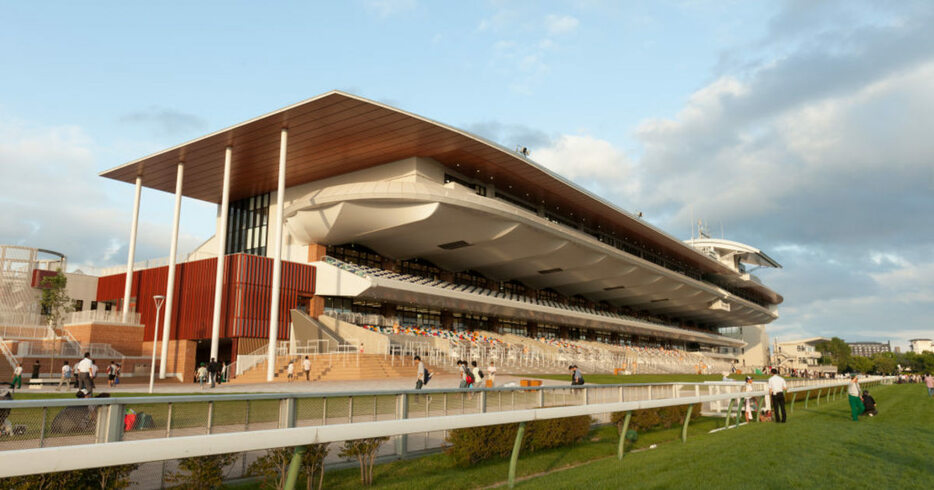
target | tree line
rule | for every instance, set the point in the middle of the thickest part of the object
(839, 354)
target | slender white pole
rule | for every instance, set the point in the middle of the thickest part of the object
(155, 338)
(131, 255)
(221, 250)
(170, 285)
(277, 262)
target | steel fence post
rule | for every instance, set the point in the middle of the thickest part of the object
(45, 417)
(514, 460)
(541, 397)
(622, 436)
(807, 396)
(687, 420)
(110, 423)
(168, 420)
(402, 412)
(729, 412)
(483, 402)
(294, 467)
(210, 424)
(818, 396)
(287, 413)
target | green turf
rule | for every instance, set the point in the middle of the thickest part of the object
(819, 447)
(643, 378)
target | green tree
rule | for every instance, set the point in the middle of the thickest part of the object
(54, 301)
(201, 471)
(365, 452)
(884, 363)
(838, 351)
(860, 364)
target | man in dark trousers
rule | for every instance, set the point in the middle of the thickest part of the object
(777, 389)
(35, 369)
(213, 368)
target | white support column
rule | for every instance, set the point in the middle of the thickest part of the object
(131, 255)
(221, 250)
(170, 285)
(277, 263)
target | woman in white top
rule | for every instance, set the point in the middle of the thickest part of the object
(291, 371)
(856, 403)
(749, 401)
(492, 374)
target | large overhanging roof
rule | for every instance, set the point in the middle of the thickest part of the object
(747, 254)
(337, 133)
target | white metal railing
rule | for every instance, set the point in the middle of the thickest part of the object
(411, 415)
(7, 353)
(104, 316)
(25, 320)
(26, 332)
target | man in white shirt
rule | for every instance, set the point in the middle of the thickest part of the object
(777, 389)
(84, 369)
(17, 377)
(66, 376)
(306, 366)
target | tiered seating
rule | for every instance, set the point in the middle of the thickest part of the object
(525, 353)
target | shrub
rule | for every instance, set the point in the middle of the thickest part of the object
(365, 452)
(273, 467)
(202, 471)
(664, 417)
(106, 478)
(474, 444)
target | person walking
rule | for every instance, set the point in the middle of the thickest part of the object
(929, 382)
(291, 370)
(93, 373)
(17, 382)
(202, 374)
(306, 368)
(66, 376)
(777, 389)
(213, 369)
(421, 374)
(856, 403)
(492, 372)
(83, 368)
(477, 375)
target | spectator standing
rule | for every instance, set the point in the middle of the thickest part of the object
(17, 377)
(929, 382)
(291, 370)
(117, 372)
(492, 370)
(477, 374)
(306, 367)
(777, 389)
(749, 401)
(420, 373)
(111, 374)
(856, 404)
(83, 368)
(35, 370)
(66, 376)
(213, 369)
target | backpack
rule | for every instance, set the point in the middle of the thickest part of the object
(143, 421)
(470, 379)
(480, 372)
(427, 377)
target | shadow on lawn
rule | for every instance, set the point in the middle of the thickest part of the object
(890, 457)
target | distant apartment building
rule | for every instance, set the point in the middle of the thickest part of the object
(868, 349)
(800, 354)
(921, 345)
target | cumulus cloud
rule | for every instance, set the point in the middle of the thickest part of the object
(560, 24)
(819, 151)
(52, 198)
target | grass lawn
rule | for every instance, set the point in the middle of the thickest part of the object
(644, 378)
(819, 447)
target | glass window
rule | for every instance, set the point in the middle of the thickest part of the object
(246, 230)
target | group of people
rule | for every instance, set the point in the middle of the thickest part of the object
(81, 376)
(472, 375)
(306, 368)
(861, 402)
(211, 372)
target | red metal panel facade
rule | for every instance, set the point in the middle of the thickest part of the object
(245, 301)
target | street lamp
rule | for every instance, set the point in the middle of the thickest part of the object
(159, 299)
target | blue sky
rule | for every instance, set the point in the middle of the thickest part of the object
(803, 127)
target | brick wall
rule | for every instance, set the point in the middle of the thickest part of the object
(125, 338)
(180, 359)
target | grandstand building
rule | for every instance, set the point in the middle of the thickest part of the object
(868, 349)
(342, 207)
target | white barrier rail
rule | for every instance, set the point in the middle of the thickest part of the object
(114, 451)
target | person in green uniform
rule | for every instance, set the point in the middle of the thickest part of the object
(856, 403)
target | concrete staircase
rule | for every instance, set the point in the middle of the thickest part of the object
(337, 367)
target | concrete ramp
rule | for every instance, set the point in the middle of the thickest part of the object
(307, 331)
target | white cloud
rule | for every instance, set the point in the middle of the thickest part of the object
(560, 24)
(591, 162)
(386, 8)
(52, 198)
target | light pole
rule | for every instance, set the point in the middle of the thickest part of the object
(155, 339)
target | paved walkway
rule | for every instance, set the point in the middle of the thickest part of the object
(438, 382)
